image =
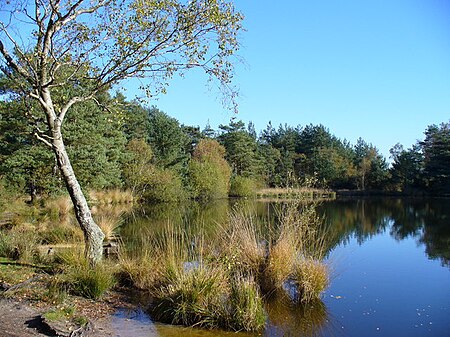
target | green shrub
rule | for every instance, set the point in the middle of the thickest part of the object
(208, 172)
(162, 185)
(242, 187)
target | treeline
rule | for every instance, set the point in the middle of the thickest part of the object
(115, 143)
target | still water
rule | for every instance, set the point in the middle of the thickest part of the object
(390, 262)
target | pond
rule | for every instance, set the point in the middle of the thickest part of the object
(390, 262)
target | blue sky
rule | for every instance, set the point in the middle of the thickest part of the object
(379, 70)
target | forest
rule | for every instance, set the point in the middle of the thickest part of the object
(117, 143)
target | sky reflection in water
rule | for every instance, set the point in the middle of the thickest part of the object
(391, 271)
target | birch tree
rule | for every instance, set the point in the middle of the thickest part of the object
(91, 46)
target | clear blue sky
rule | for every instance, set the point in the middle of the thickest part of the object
(379, 69)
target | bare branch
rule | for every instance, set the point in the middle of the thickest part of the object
(71, 102)
(13, 64)
(43, 140)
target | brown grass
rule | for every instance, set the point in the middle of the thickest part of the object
(312, 278)
(114, 196)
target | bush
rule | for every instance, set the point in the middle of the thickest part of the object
(208, 172)
(242, 187)
(162, 185)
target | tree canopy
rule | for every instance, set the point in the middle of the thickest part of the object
(60, 53)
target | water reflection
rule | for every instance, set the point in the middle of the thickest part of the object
(427, 222)
(289, 319)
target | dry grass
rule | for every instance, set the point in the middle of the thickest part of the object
(272, 253)
(208, 284)
(62, 206)
(243, 242)
(312, 278)
(279, 263)
(143, 272)
(109, 224)
(190, 286)
(19, 244)
(114, 196)
(300, 193)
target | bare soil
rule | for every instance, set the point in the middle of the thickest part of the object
(22, 318)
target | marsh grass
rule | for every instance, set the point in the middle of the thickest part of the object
(191, 297)
(109, 224)
(222, 283)
(59, 207)
(113, 196)
(19, 243)
(141, 271)
(60, 232)
(247, 305)
(190, 285)
(311, 277)
(276, 254)
(78, 278)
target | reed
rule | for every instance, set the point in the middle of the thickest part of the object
(60, 206)
(222, 283)
(113, 196)
(311, 277)
(79, 278)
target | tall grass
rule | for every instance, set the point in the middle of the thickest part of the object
(273, 253)
(113, 196)
(312, 278)
(223, 282)
(190, 285)
(59, 207)
(19, 243)
(79, 278)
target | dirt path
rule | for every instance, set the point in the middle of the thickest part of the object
(20, 319)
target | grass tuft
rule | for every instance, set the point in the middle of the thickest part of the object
(81, 279)
(312, 278)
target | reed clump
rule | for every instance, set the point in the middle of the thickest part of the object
(311, 277)
(223, 283)
(276, 254)
(191, 286)
(77, 277)
(112, 196)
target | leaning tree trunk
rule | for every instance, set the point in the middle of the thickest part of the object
(93, 235)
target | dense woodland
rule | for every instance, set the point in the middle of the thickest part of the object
(115, 143)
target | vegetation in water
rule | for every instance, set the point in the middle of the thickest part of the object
(222, 281)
